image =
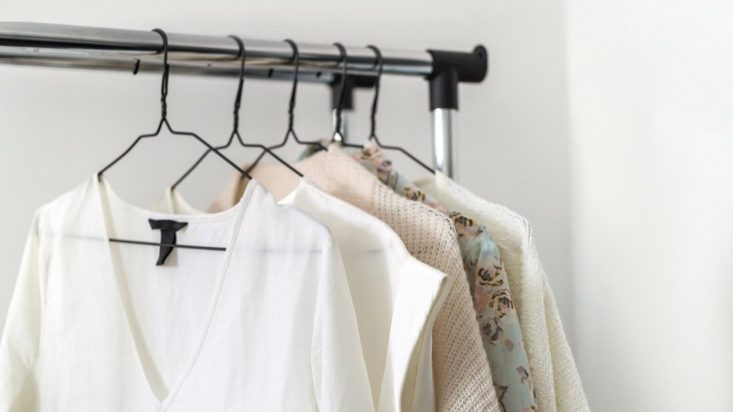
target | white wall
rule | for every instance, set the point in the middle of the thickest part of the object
(652, 125)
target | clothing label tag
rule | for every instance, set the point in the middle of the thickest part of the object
(168, 229)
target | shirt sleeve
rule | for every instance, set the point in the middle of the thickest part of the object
(21, 335)
(340, 378)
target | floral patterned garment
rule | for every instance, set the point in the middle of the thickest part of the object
(495, 313)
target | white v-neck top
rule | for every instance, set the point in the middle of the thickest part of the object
(396, 297)
(267, 324)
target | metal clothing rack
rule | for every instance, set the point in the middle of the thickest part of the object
(55, 45)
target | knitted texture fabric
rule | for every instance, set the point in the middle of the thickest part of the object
(557, 383)
(462, 376)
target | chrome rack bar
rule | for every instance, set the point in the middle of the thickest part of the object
(55, 45)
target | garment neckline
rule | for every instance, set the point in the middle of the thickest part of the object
(179, 202)
(191, 213)
(305, 185)
(101, 188)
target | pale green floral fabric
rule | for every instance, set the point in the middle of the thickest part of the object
(495, 312)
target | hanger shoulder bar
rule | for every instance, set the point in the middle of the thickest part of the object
(173, 245)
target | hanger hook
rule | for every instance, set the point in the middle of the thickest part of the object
(380, 66)
(166, 75)
(343, 58)
(238, 99)
(294, 89)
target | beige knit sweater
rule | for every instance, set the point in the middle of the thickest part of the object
(461, 370)
(556, 379)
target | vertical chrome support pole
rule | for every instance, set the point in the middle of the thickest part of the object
(347, 107)
(344, 132)
(450, 69)
(443, 138)
(443, 105)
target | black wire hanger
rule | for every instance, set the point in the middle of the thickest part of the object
(373, 116)
(235, 129)
(164, 117)
(167, 227)
(291, 111)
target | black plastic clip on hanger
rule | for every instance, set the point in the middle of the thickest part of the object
(164, 121)
(373, 115)
(235, 129)
(291, 111)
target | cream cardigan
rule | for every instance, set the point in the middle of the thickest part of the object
(554, 374)
(462, 375)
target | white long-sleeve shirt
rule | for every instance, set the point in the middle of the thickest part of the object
(94, 325)
(396, 297)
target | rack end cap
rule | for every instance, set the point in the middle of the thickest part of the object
(468, 67)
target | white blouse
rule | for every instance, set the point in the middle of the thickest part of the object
(396, 297)
(94, 325)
